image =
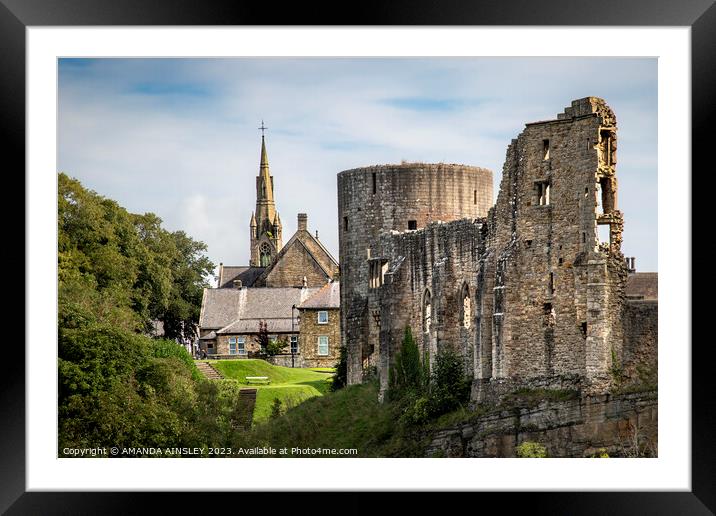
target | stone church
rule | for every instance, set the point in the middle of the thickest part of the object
(293, 289)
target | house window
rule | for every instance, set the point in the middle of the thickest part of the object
(294, 344)
(241, 345)
(323, 345)
(232, 345)
(323, 317)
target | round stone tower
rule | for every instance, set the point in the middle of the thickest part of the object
(385, 198)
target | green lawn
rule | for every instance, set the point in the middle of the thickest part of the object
(292, 386)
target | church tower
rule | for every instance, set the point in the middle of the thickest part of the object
(265, 223)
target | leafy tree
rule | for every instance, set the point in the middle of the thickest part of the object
(409, 373)
(340, 378)
(268, 345)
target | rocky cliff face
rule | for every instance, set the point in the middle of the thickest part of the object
(622, 425)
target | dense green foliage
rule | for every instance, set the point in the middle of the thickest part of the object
(410, 374)
(423, 395)
(117, 272)
(340, 378)
(125, 269)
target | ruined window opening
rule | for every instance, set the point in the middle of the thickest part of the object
(586, 192)
(584, 237)
(604, 233)
(545, 149)
(542, 192)
(589, 143)
(561, 260)
(466, 307)
(607, 195)
(374, 183)
(551, 284)
(584, 329)
(528, 243)
(547, 308)
(474, 197)
(377, 269)
(427, 312)
(606, 147)
(412, 224)
(345, 223)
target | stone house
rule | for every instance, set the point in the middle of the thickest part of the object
(320, 337)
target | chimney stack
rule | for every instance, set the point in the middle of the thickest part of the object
(238, 284)
(302, 222)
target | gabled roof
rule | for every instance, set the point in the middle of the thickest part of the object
(325, 263)
(245, 273)
(233, 310)
(328, 296)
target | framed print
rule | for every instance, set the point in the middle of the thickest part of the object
(225, 291)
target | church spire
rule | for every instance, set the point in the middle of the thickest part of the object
(266, 225)
(265, 184)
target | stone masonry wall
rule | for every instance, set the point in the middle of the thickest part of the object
(308, 338)
(553, 293)
(641, 331)
(438, 261)
(379, 199)
(582, 427)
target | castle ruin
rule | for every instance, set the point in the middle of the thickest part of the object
(530, 291)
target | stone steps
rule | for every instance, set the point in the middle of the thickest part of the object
(208, 370)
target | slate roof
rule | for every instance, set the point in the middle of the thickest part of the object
(233, 310)
(643, 285)
(219, 307)
(329, 296)
(247, 274)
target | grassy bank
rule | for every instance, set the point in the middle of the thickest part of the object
(292, 386)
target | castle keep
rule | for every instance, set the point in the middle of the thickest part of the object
(532, 290)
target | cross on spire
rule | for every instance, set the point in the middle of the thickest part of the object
(262, 128)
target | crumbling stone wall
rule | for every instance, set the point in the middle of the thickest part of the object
(557, 291)
(546, 287)
(379, 199)
(439, 262)
(622, 426)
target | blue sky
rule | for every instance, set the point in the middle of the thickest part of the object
(180, 138)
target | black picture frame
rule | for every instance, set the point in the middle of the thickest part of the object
(700, 15)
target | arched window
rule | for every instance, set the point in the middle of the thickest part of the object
(466, 308)
(427, 312)
(265, 254)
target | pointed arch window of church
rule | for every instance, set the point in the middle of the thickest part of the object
(265, 254)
